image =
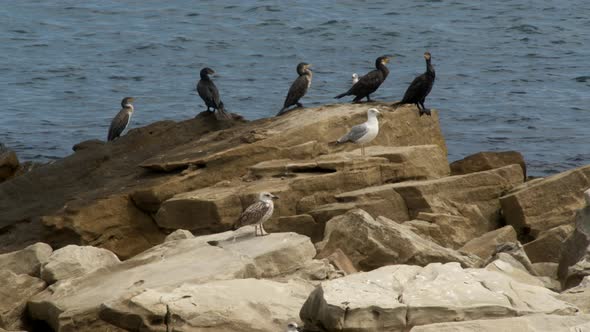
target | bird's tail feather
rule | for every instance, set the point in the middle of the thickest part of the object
(282, 111)
(341, 95)
(396, 105)
(221, 114)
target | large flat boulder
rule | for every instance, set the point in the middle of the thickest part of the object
(532, 323)
(28, 260)
(75, 304)
(579, 295)
(399, 297)
(547, 246)
(485, 245)
(74, 261)
(371, 243)
(483, 161)
(474, 196)
(15, 290)
(224, 306)
(8, 163)
(574, 261)
(543, 204)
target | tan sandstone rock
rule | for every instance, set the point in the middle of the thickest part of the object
(474, 196)
(8, 163)
(15, 290)
(398, 297)
(547, 246)
(483, 161)
(179, 234)
(485, 245)
(371, 243)
(28, 260)
(579, 295)
(74, 261)
(75, 304)
(223, 306)
(574, 262)
(540, 205)
(531, 323)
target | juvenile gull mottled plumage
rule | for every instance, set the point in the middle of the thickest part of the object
(121, 120)
(364, 132)
(257, 213)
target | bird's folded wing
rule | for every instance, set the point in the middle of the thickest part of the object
(355, 133)
(252, 214)
(119, 123)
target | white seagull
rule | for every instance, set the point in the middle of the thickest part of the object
(355, 78)
(364, 132)
(257, 213)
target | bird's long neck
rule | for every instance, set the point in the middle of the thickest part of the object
(128, 107)
(372, 119)
(383, 69)
(305, 72)
(430, 69)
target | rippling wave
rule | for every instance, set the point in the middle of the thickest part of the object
(510, 75)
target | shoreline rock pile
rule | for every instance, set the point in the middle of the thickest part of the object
(134, 235)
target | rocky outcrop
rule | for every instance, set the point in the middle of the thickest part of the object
(542, 204)
(84, 304)
(579, 295)
(73, 261)
(485, 245)
(396, 298)
(483, 161)
(106, 195)
(15, 290)
(574, 262)
(26, 261)
(552, 238)
(532, 323)
(9, 163)
(371, 243)
(240, 305)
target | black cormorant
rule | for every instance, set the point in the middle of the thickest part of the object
(121, 120)
(210, 95)
(298, 88)
(420, 88)
(370, 82)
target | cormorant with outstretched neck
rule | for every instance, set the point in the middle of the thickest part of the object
(298, 88)
(210, 95)
(122, 119)
(420, 88)
(370, 82)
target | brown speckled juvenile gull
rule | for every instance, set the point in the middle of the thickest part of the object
(257, 213)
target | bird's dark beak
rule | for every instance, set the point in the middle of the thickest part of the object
(274, 197)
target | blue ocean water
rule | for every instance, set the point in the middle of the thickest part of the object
(511, 75)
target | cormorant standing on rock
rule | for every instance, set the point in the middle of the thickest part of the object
(298, 88)
(122, 119)
(420, 88)
(370, 82)
(210, 95)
